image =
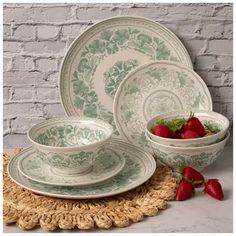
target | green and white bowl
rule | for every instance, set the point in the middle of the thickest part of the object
(70, 145)
(197, 157)
(206, 117)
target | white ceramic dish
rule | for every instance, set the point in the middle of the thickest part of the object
(206, 117)
(104, 167)
(153, 89)
(197, 157)
(99, 59)
(139, 167)
(71, 144)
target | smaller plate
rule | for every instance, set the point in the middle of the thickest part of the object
(104, 167)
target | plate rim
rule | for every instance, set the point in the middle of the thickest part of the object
(116, 141)
(97, 23)
(122, 164)
(141, 67)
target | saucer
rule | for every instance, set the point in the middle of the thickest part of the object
(104, 167)
(139, 167)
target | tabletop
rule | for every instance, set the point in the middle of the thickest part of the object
(200, 214)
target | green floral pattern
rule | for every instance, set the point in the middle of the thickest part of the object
(69, 135)
(155, 89)
(116, 74)
(105, 166)
(198, 161)
(138, 168)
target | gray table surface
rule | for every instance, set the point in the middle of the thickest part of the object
(200, 214)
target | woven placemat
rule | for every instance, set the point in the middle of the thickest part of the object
(29, 210)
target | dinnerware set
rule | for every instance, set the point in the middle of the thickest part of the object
(116, 78)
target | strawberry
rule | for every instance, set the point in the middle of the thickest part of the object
(177, 136)
(195, 125)
(214, 189)
(184, 191)
(162, 131)
(188, 134)
(193, 176)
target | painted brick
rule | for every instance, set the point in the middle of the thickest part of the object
(217, 78)
(6, 93)
(24, 93)
(44, 47)
(21, 125)
(45, 64)
(7, 63)
(225, 62)
(15, 109)
(22, 78)
(15, 140)
(53, 78)
(45, 94)
(206, 62)
(23, 63)
(6, 129)
(95, 13)
(212, 31)
(45, 32)
(224, 11)
(36, 14)
(72, 30)
(220, 47)
(53, 110)
(12, 47)
(24, 32)
(221, 94)
(228, 31)
(6, 31)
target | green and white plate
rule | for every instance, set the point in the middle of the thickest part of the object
(104, 167)
(139, 167)
(100, 58)
(153, 89)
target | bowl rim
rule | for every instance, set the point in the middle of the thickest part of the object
(184, 112)
(69, 119)
(190, 148)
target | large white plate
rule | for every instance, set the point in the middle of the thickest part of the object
(104, 167)
(139, 167)
(99, 59)
(156, 88)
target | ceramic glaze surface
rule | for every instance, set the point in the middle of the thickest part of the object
(209, 118)
(101, 57)
(197, 157)
(139, 167)
(153, 89)
(104, 167)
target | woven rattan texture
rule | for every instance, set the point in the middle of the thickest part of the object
(29, 210)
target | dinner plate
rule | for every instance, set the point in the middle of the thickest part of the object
(104, 167)
(139, 167)
(99, 59)
(153, 89)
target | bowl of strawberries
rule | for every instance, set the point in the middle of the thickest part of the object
(188, 129)
(197, 139)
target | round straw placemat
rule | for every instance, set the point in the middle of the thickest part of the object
(29, 210)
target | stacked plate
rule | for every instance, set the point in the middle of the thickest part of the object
(124, 71)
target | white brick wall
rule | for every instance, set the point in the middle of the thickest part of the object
(36, 37)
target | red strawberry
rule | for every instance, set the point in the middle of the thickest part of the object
(188, 134)
(214, 189)
(184, 191)
(193, 176)
(195, 125)
(162, 131)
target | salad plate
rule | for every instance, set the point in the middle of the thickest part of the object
(105, 166)
(139, 167)
(99, 59)
(156, 88)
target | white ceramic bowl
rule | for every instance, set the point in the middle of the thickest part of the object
(197, 157)
(69, 145)
(209, 117)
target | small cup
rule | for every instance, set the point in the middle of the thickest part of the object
(70, 145)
